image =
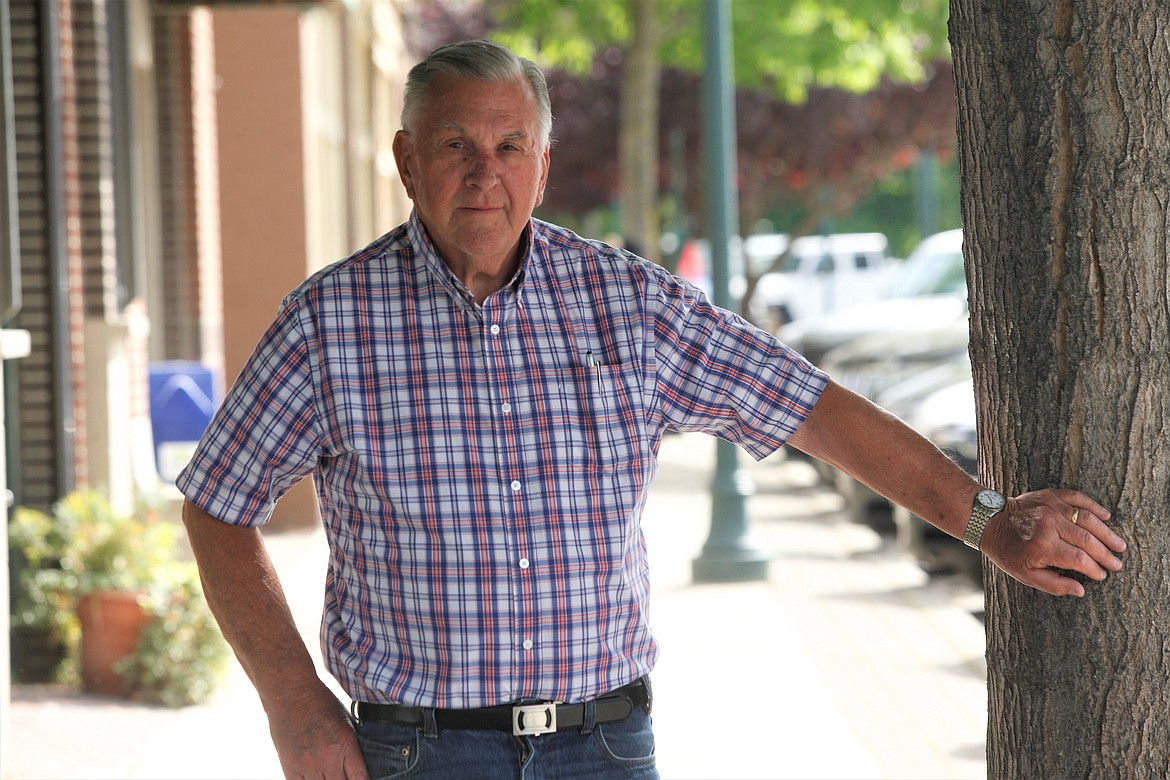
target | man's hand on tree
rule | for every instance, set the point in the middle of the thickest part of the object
(1039, 537)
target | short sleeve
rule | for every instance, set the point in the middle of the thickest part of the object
(266, 435)
(717, 373)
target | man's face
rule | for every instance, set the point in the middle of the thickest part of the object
(475, 167)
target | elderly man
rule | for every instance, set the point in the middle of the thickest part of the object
(480, 397)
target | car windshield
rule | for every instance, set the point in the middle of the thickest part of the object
(931, 274)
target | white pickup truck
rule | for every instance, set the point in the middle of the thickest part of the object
(819, 274)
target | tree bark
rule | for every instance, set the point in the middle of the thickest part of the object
(1065, 178)
(638, 151)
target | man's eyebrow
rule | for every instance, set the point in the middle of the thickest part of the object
(455, 127)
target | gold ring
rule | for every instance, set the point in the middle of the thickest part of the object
(1076, 515)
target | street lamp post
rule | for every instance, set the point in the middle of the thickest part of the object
(729, 554)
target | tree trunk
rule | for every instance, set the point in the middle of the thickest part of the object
(1065, 171)
(638, 151)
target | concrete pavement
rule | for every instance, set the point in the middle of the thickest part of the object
(847, 662)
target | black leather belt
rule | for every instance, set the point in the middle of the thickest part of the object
(519, 719)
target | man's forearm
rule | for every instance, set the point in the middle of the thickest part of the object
(1036, 539)
(245, 595)
(310, 728)
(875, 447)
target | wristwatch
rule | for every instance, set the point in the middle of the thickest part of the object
(987, 503)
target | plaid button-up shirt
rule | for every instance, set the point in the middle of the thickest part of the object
(482, 469)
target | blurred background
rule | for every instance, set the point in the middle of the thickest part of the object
(170, 169)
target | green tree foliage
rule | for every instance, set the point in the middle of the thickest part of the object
(785, 46)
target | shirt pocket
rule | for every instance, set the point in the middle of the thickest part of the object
(615, 415)
(595, 418)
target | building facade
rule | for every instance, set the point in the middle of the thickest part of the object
(168, 171)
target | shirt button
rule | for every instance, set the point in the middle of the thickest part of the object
(495, 329)
(515, 486)
(527, 644)
(506, 408)
(523, 563)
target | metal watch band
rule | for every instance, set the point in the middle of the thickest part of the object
(974, 533)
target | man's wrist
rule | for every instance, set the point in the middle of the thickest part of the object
(987, 504)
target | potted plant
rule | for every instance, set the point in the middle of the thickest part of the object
(131, 613)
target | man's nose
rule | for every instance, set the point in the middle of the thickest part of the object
(483, 171)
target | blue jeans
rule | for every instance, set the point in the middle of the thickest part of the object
(624, 749)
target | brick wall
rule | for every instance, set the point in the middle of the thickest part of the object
(36, 474)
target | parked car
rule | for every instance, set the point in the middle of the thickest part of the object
(820, 273)
(871, 365)
(928, 293)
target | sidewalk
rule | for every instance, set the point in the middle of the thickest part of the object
(846, 663)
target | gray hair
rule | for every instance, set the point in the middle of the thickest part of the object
(475, 60)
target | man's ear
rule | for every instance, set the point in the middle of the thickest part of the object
(546, 160)
(403, 158)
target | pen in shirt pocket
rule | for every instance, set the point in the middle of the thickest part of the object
(594, 363)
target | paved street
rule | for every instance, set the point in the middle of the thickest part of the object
(847, 662)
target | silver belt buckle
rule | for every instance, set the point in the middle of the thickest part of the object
(532, 720)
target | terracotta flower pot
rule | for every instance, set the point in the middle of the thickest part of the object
(111, 623)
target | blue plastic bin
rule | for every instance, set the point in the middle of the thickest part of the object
(183, 397)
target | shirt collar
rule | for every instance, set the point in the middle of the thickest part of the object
(439, 270)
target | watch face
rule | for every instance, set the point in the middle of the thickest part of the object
(991, 499)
